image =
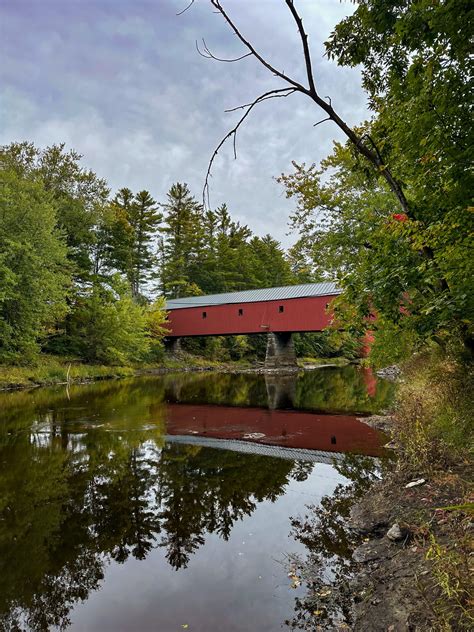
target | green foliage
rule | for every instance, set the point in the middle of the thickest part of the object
(106, 325)
(127, 234)
(182, 243)
(156, 327)
(453, 576)
(415, 68)
(79, 196)
(206, 252)
(326, 344)
(34, 275)
(392, 343)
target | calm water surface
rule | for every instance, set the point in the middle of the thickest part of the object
(164, 503)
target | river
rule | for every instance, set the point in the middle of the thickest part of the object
(169, 503)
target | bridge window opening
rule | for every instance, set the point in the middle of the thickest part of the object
(281, 309)
(333, 440)
(241, 312)
(204, 314)
(327, 305)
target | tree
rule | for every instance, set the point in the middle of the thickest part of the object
(414, 154)
(182, 242)
(107, 325)
(131, 227)
(271, 266)
(362, 143)
(79, 196)
(34, 273)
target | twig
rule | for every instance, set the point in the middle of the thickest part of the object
(280, 92)
(208, 55)
(322, 121)
(186, 8)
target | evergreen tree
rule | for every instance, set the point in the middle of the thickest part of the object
(131, 228)
(271, 266)
(183, 240)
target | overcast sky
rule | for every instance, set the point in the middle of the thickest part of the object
(121, 82)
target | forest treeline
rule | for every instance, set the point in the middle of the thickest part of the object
(83, 271)
(81, 267)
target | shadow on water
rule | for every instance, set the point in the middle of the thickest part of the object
(92, 478)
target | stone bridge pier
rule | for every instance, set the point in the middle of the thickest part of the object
(173, 345)
(280, 351)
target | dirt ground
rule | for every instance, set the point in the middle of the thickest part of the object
(402, 584)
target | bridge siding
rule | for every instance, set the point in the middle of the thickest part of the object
(300, 314)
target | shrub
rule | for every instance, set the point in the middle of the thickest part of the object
(106, 325)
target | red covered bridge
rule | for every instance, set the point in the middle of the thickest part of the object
(277, 311)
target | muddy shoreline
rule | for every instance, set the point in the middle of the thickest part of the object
(394, 587)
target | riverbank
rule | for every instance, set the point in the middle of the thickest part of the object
(50, 370)
(414, 561)
(403, 537)
(412, 564)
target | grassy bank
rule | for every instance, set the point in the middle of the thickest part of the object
(48, 370)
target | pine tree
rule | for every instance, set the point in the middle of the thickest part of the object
(181, 251)
(133, 224)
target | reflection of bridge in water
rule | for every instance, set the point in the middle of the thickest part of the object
(248, 447)
(289, 434)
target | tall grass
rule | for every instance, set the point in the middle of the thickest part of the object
(434, 419)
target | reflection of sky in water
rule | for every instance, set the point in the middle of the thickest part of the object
(221, 589)
(89, 485)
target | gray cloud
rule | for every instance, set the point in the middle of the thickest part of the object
(121, 82)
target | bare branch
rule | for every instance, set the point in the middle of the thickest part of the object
(328, 118)
(358, 141)
(208, 55)
(271, 94)
(186, 8)
(268, 66)
(304, 41)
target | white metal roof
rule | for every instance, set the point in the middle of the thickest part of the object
(327, 288)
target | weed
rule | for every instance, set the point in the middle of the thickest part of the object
(453, 578)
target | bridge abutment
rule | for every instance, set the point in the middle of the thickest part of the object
(173, 346)
(280, 351)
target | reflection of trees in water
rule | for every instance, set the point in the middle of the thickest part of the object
(66, 512)
(330, 389)
(94, 482)
(326, 568)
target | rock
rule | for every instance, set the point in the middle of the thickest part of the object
(420, 481)
(395, 533)
(390, 372)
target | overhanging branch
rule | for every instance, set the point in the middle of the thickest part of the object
(271, 94)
